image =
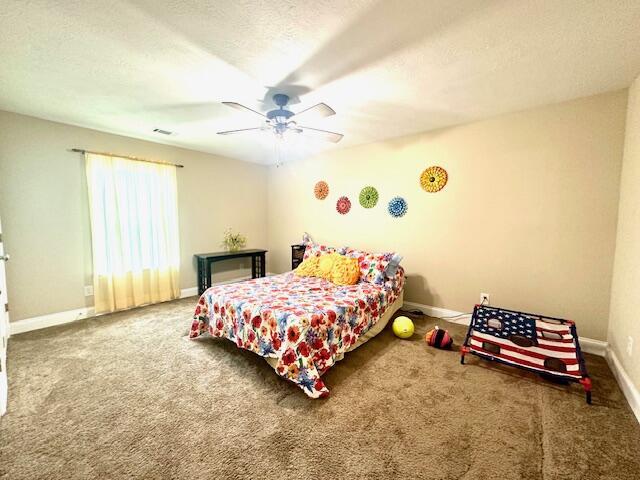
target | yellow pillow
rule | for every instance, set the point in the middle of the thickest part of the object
(345, 271)
(325, 265)
(308, 267)
(317, 266)
(334, 267)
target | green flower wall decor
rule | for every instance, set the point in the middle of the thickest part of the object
(368, 197)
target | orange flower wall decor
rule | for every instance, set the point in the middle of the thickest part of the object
(321, 190)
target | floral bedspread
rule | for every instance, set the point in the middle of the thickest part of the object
(303, 322)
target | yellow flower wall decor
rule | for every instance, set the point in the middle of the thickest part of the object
(321, 190)
(433, 179)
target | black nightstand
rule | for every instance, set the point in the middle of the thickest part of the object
(297, 252)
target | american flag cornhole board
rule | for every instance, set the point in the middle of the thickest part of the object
(545, 345)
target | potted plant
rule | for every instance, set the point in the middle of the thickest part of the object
(233, 241)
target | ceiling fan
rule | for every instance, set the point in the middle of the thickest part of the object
(282, 122)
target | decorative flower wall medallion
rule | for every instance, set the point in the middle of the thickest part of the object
(321, 190)
(368, 197)
(433, 179)
(343, 205)
(397, 207)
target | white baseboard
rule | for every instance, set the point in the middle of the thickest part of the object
(594, 347)
(193, 291)
(459, 318)
(588, 345)
(59, 318)
(50, 320)
(188, 292)
(629, 390)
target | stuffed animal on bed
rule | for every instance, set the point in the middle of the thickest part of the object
(438, 338)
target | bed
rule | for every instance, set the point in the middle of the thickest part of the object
(300, 325)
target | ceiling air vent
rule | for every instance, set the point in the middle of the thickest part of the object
(163, 132)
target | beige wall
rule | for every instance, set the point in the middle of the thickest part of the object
(528, 216)
(43, 206)
(624, 321)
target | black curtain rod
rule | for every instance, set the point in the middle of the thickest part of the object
(82, 150)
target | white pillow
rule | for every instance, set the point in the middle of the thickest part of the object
(393, 265)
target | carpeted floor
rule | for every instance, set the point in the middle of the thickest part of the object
(127, 396)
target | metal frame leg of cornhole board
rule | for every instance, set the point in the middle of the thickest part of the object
(544, 345)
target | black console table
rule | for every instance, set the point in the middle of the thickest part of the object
(205, 260)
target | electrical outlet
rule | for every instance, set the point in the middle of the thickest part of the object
(88, 290)
(484, 299)
(629, 346)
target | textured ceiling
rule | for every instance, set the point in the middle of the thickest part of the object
(389, 68)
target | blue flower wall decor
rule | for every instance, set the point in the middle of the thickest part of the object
(397, 207)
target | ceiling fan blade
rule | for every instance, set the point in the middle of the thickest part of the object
(320, 110)
(242, 108)
(330, 136)
(242, 130)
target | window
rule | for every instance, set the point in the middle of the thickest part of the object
(134, 231)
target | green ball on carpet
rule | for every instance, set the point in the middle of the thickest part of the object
(403, 327)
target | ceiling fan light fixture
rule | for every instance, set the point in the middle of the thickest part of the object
(280, 114)
(278, 120)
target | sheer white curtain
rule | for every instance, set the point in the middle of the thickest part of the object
(134, 232)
